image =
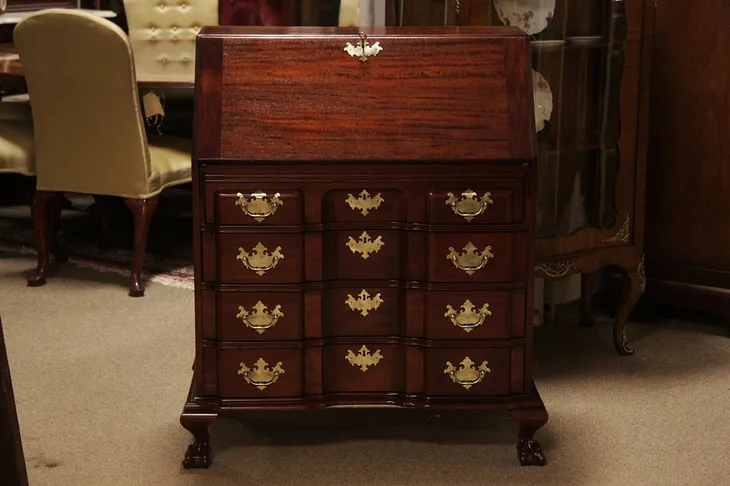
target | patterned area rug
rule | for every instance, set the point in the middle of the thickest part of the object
(169, 249)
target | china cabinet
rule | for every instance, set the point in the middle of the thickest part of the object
(591, 61)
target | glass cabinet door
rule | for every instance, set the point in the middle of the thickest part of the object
(577, 62)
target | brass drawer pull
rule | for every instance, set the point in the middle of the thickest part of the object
(363, 358)
(470, 260)
(259, 207)
(363, 304)
(468, 319)
(364, 202)
(258, 318)
(260, 260)
(261, 376)
(468, 205)
(365, 245)
(467, 375)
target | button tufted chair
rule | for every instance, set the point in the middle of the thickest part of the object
(89, 132)
(162, 34)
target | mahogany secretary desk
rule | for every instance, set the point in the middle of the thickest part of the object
(364, 223)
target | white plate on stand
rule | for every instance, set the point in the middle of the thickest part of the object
(529, 15)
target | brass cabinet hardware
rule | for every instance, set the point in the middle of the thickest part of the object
(259, 206)
(261, 376)
(467, 375)
(260, 260)
(259, 319)
(470, 260)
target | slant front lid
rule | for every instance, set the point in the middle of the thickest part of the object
(375, 94)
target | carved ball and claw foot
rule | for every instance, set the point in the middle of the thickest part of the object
(529, 452)
(197, 455)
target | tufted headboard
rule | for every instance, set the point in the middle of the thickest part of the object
(162, 34)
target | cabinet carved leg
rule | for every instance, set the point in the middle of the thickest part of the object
(142, 210)
(587, 289)
(635, 281)
(197, 455)
(529, 452)
(46, 213)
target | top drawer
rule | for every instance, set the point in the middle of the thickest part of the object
(227, 204)
(375, 94)
(496, 203)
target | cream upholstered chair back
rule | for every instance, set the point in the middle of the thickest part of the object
(89, 132)
(163, 32)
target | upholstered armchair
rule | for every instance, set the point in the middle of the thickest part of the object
(89, 131)
(162, 34)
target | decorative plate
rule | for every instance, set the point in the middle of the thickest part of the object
(543, 99)
(529, 15)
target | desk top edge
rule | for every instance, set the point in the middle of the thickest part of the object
(312, 31)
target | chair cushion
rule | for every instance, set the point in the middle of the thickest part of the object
(170, 162)
(16, 107)
(17, 150)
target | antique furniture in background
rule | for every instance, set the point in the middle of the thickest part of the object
(592, 62)
(259, 12)
(12, 460)
(688, 207)
(100, 147)
(162, 35)
(381, 256)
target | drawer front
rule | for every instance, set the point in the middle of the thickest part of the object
(356, 368)
(364, 205)
(475, 314)
(253, 206)
(257, 316)
(468, 371)
(262, 373)
(477, 257)
(259, 258)
(363, 311)
(500, 203)
(365, 254)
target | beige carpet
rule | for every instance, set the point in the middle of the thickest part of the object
(100, 380)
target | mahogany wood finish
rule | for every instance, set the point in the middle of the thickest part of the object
(364, 303)
(12, 460)
(687, 234)
(142, 211)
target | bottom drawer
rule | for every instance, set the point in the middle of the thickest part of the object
(363, 368)
(474, 371)
(260, 373)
